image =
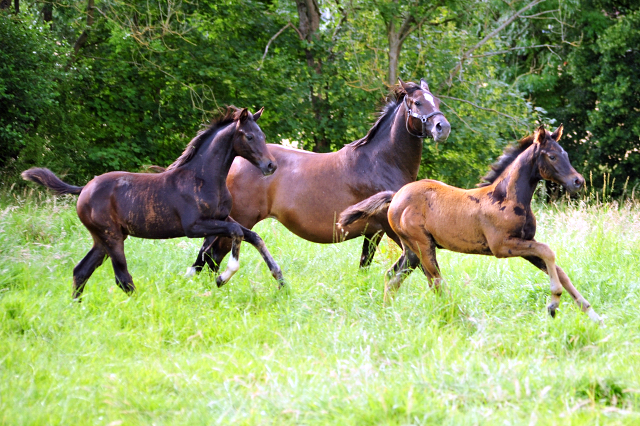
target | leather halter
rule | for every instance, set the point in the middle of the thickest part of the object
(422, 118)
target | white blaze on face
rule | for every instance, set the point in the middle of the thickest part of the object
(429, 98)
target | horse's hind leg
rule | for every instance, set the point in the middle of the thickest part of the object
(426, 251)
(400, 271)
(584, 305)
(369, 248)
(83, 270)
(115, 250)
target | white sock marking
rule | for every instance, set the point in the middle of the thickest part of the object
(594, 316)
(232, 267)
(191, 271)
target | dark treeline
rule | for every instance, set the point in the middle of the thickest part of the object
(92, 86)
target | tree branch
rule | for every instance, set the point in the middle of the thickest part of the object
(266, 49)
(479, 107)
(454, 72)
(500, 52)
(458, 115)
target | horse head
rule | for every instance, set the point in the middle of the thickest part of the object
(249, 142)
(553, 161)
(423, 116)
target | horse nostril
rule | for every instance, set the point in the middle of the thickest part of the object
(578, 182)
(271, 166)
(439, 128)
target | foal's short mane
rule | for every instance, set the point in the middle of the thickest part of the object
(387, 111)
(510, 153)
(218, 123)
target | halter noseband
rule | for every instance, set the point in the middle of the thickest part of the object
(422, 118)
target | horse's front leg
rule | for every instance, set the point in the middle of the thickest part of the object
(212, 228)
(254, 239)
(584, 305)
(211, 253)
(515, 247)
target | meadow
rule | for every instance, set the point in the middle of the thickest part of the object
(324, 350)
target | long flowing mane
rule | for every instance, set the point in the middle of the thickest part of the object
(216, 124)
(510, 153)
(387, 111)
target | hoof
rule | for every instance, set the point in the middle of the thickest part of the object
(552, 309)
(219, 281)
(282, 284)
(595, 317)
(191, 271)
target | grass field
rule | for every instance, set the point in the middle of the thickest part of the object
(325, 351)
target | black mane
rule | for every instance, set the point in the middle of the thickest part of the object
(510, 153)
(397, 96)
(230, 116)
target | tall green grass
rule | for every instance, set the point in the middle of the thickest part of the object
(326, 350)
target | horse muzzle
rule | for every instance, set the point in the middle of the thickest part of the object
(441, 129)
(268, 167)
(574, 184)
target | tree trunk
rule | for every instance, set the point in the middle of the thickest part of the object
(395, 44)
(85, 34)
(47, 12)
(396, 38)
(309, 16)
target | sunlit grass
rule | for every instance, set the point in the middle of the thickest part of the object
(326, 351)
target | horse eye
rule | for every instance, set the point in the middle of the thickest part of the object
(249, 137)
(552, 157)
(418, 103)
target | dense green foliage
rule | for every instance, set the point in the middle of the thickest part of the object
(594, 88)
(88, 87)
(326, 351)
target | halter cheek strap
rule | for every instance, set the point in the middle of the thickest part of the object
(422, 118)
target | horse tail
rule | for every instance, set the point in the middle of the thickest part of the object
(45, 177)
(367, 208)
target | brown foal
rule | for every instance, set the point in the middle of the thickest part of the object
(494, 219)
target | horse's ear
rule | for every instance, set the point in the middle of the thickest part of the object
(540, 135)
(557, 134)
(244, 114)
(424, 86)
(258, 114)
(403, 84)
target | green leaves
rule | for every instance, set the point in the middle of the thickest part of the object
(150, 73)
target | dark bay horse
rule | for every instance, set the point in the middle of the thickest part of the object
(494, 219)
(189, 199)
(311, 189)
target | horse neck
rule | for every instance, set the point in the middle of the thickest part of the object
(518, 182)
(394, 145)
(217, 153)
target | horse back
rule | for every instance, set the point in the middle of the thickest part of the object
(137, 204)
